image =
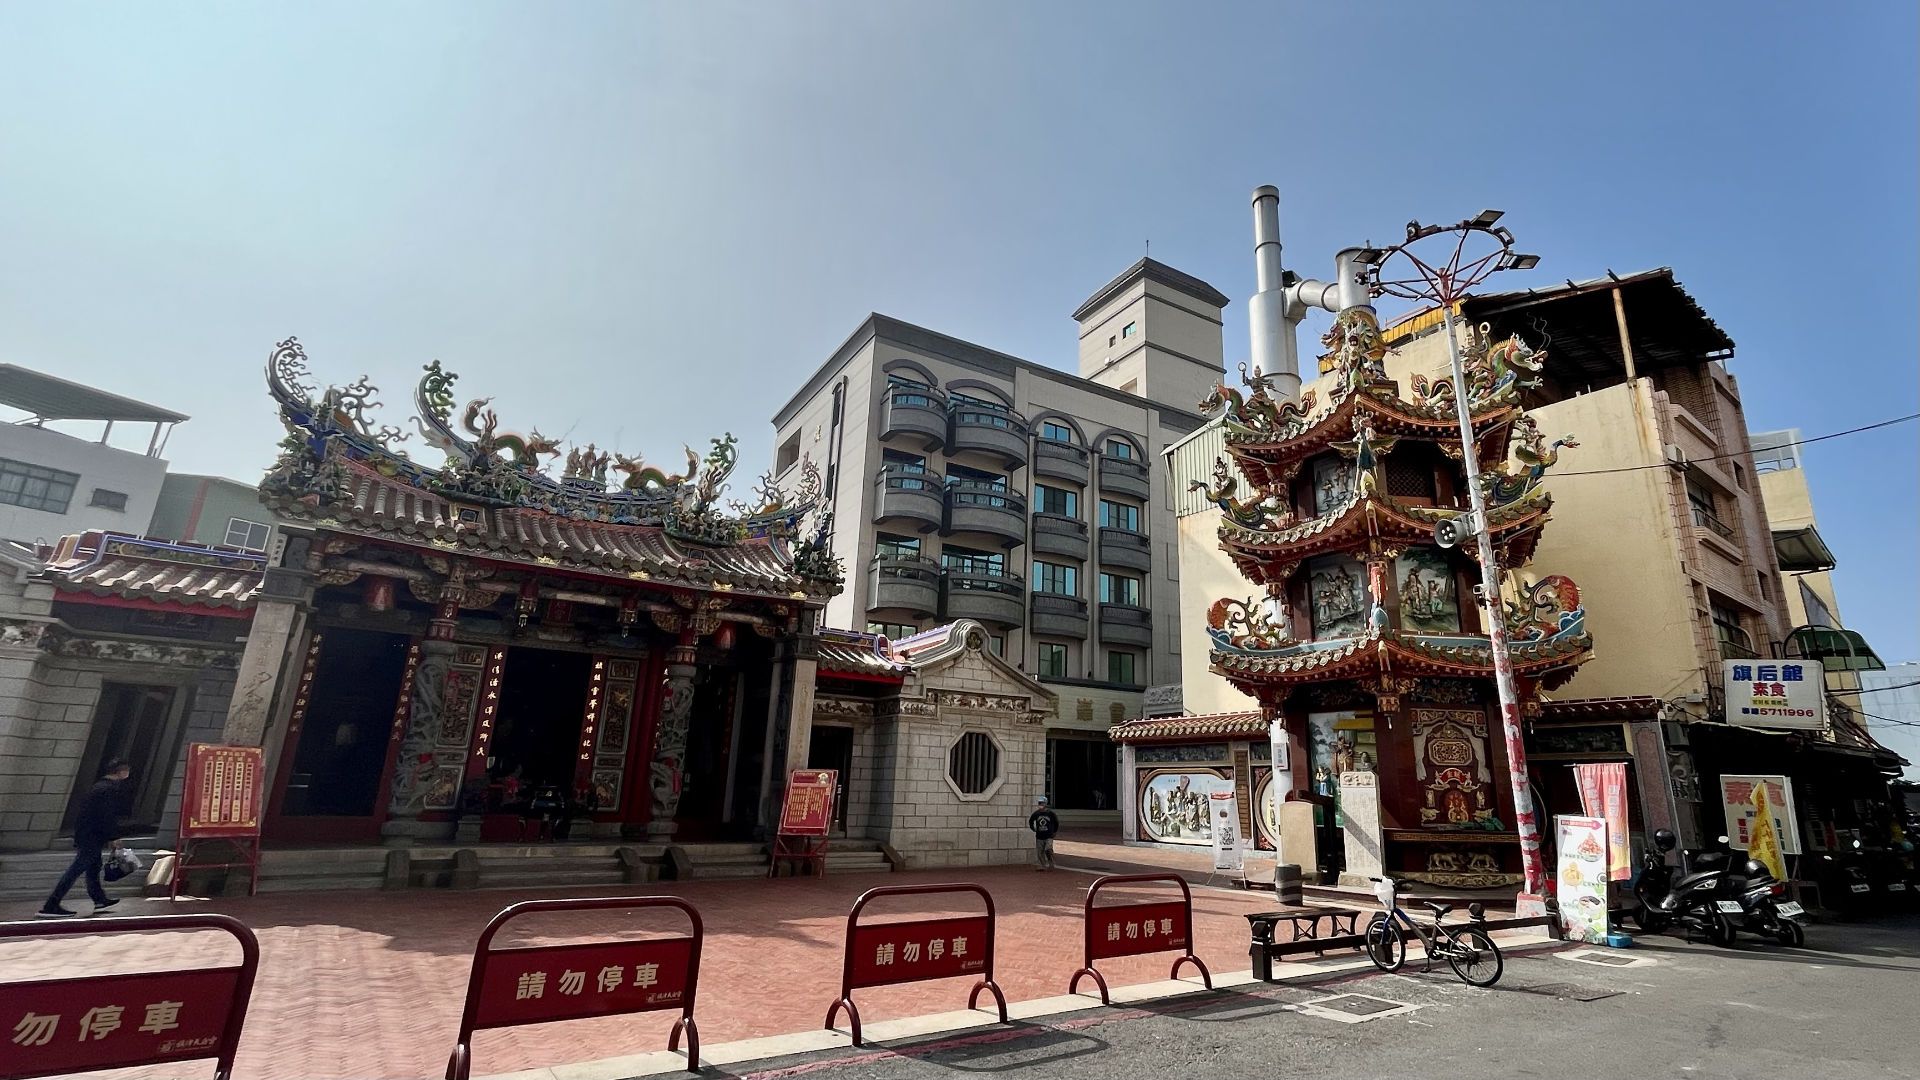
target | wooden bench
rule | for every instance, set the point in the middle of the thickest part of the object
(1340, 932)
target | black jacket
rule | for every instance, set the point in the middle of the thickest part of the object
(99, 819)
(1043, 822)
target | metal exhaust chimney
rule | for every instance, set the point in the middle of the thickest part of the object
(1275, 352)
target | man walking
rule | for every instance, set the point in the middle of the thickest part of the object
(99, 821)
(1044, 824)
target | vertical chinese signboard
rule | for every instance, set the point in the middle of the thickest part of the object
(222, 802)
(1228, 854)
(806, 817)
(1581, 878)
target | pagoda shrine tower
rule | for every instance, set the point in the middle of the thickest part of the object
(1362, 635)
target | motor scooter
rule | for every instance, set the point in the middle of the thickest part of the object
(1692, 899)
(1752, 899)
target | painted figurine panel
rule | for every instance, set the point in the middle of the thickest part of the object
(1337, 597)
(1429, 604)
(1173, 804)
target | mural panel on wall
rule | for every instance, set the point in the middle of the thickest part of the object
(1173, 803)
(1266, 831)
(1337, 597)
(1332, 484)
(1429, 604)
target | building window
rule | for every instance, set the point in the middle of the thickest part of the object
(1112, 341)
(1053, 660)
(35, 488)
(1120, 448)
(892, 631)
(891, 546)
(1119, 589)
(108, 500)
(909, 470)
(1053, 431)
(1130, 329)
(973, 764)
(246, 535)
(1120, 668)
(1740, 476)
(1119, 515)
(1706, 509)
(789, 455)
(981, 412)
(1055, 579)
(1053, 500)
(1730, 632)
(969, 561)
(997, 643)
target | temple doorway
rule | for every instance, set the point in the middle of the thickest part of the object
(332, 785)
(536, 734)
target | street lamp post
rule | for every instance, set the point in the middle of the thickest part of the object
(1445, 283)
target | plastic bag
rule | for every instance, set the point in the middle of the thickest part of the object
(120, 863)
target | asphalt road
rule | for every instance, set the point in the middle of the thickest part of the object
(1843, 1007)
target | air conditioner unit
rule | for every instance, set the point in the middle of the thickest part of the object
(1676, 456)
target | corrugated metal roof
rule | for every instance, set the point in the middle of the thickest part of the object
(51, 398)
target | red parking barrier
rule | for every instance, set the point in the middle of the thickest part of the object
(1136, 929)
(918, 950)
(539, 984)
(57, 1027)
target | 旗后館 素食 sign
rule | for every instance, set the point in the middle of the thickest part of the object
(1775, 694)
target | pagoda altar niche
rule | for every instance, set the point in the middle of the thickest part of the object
(1364, 636)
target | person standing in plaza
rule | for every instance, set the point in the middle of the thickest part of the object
(96, 827)
(1044, 823)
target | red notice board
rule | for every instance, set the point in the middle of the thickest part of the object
(223, 792)
(808, 810)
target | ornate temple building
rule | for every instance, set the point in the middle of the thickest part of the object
(1360, 634)
(472, 649)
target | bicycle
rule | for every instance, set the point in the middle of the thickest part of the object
(1467, 949)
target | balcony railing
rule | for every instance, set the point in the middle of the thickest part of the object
(916, 412)
(989, 429)
(1706, 520)
(904, 582)
(978, 506)
(911, 493)
(1061, 460)
(1125, 476)
(995, 597)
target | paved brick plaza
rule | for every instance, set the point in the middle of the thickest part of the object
(370, 984)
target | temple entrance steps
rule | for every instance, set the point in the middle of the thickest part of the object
(317, 869)
(30, 875)
(705, 862)
(857, 857)
(530, 866)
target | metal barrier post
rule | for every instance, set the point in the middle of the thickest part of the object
(1137, 929)
(140, 1018)
(509, 987)
(917, 950)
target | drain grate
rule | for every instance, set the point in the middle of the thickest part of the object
(1568, 991)
(1606, 958)
(1358, 1005)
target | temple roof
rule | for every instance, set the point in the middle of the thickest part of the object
(1552, 659)
(1516, 526)
(866, 656)
(1220, 725)
(132, 568)
(492, 497)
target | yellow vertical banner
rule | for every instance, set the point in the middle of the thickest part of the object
(1764, 844)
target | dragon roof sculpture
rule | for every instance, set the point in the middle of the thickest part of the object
(333, 450)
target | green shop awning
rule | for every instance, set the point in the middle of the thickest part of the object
(1837, 650)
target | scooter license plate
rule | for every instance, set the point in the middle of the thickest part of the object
(1896, 886)
(1788, 909)
(1728, 907)
(1862, 887)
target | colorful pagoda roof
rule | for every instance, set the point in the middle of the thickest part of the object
(1370, 516)
(153, 571)
(1551, 660)
(491, 496)
(1220, 725)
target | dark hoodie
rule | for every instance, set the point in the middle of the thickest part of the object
(99, 819)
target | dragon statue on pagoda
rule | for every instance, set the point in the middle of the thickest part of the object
(1357, 351)
(643, 477)
(1246, 626)
(1493, 371)
(1531, 449)
(1265, 512)
(1548, 608)
(522, 451)
(1256, 411)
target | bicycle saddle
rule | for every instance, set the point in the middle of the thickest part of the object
(1439, 910)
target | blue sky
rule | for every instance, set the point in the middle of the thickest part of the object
(643, 224)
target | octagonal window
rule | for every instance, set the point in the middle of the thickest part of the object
(973, 763)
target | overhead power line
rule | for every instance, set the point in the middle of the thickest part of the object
(1723, 457)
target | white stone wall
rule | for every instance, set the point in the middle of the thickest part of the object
(931, 824)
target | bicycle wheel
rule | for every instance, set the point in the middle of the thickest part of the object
(1474, 957)
(1386, 944)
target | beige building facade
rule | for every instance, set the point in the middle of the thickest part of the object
(966, 483)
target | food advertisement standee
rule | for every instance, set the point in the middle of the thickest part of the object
(1580, 877)
(1227, 852)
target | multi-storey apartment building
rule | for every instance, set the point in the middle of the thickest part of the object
(967, 483)
(63, 468)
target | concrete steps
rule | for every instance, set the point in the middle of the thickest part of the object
(30, 875)
(535, 866)
(857, 857)
(322, 869)
(708, 862)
